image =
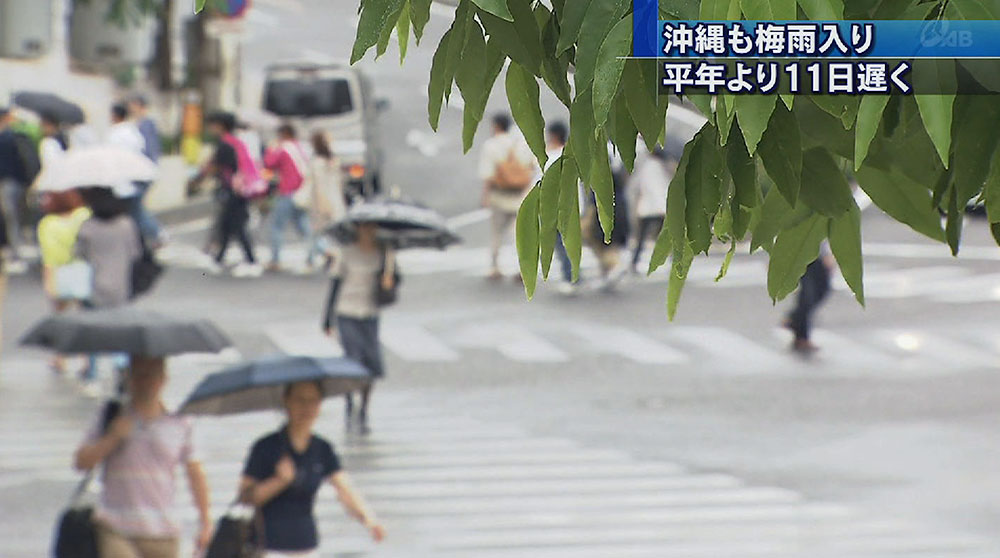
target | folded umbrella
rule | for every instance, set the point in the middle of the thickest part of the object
(126, 330)
(259, 384)
(100, 165)
(50, 104)
(400, 225)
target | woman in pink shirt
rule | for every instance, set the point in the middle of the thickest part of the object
(289, 160)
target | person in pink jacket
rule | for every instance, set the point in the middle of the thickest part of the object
(290, 163)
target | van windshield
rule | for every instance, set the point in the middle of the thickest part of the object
(321, 97)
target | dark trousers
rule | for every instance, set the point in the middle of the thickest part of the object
(564, 262)
(648, 226)
(233, 223)
(813, 288)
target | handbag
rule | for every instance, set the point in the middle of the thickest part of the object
(145, 271)
(237, 536)
(73, 281)
(76, 534)
(383, 296)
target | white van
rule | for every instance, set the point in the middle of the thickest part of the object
(336, 99)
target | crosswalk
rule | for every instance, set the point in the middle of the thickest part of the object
(451, 485)
(885, 352)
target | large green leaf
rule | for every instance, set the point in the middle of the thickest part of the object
(569, 211)
(602, 183)
(473, 112)
(820, 129)
(548, 211)
(676, 201)
(781, 152)
(824, 187)
(707, 168)
(953, 228)
(555, 68)
(439, 81)
(991, 191)
(510, 41)
(841, 107)
(601, 17)
(753, 112)
(375, 16)
(936, 110)
(403, 30)
(624, 133)
(581, 129)
(718, 10)
(679, 9)
(526, 26)
(420, 14)
(199, 5)
(471, 79)
(976, 131)
(972, 9)
(459, 32)
(570, 22)
(902, 198)
(522, 93)
(869, 117)
(610, 63)
(744, 172)
(724, 118)
(495, 7)
(845, 243)
(823, 10)
(794, 249)
(774, 212)
(678, 276)
(769, 9)
(639, 86)
(661, 249)
(527, 240)
(386, 34)
(698, 185)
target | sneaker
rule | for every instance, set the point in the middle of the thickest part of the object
(567, 289)
(248, 271)
(214, 268)
(495, 275)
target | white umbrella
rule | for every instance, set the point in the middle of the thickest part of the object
(103, 165)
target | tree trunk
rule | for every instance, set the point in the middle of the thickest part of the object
(162, 66)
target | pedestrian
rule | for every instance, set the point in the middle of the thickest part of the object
(54, 142)
(506, 167)
(57, 236)
(352, 311)
(140, 452)
(290, 162)
(649, 185)
(226, 167)
(284, 471)
(329, 203)
(3, 270)
(123, 132)
(608, 253)
(18, 166)
(108, 241)
(139, 112)
(556, 136)
(814, 286)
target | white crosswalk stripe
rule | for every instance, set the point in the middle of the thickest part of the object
(450, 485)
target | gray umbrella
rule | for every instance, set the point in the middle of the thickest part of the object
(51, 104)
(259, 384)
(126, 330)
(400, 224)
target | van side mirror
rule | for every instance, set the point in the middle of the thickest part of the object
(381, 105)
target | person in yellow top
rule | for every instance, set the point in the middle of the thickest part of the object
(57, 232)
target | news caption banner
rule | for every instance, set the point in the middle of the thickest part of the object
(749, 57)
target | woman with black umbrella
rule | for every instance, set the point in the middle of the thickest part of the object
(362, 269)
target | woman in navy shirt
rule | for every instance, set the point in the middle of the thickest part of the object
(285, 470)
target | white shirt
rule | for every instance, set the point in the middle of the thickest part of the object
(127, 136)
(49, 151)
(651, 181)
(497, 148)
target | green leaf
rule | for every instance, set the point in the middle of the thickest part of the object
(527, 240)
(555, 69)
(439, 81)
(781, 152)
(460, 31)
(678, 276)
(383, 39)
(639, 86)
(995, 230)
(624, 133)
(725, 262)
(699, 182)
(972, 9)
(601, 17)
(794, 249)
(719, 10)
(744, 172)
(569, 211)
(823, 10)
(679, 9)
(522, 93)
(902, 198)
(471, 79)
(753, 112)
(610, 63)
(375, 16)
(953, 229)
(507, 37)
(703, 102)
(526, 26)
(676, 201)
(824, 188)
(991, 191)
(769, 9)
(661, 249)
(820, 129)
(420, 14)
(570, 23)
(581, 129)
(774, 212)
(722, 225)
(976, 133)
(495, 7)
(403, 30)
(548, 212)
(473, 112)
(845, 243)
(869, 117)
(843, 108)
(707, 168)
(936, 112)
(724, 119)
(744, 219)
(199, 5)
(602, 183)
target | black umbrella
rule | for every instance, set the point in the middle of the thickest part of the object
(259, 384)
(51, 104)
(400, 224)
(126, 330)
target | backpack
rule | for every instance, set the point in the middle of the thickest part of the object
(29, 165)
(512, 174)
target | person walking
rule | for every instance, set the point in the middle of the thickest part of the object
(328, 204)
(291, 164)
(284, 471)
(57, 236)
(225, 166)
(814, 286)
(352, 311)
(138, 108)
(650, 184)
(140, 452)
(123, 132)
(506, 167)
(608, 253)
(14, 178)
